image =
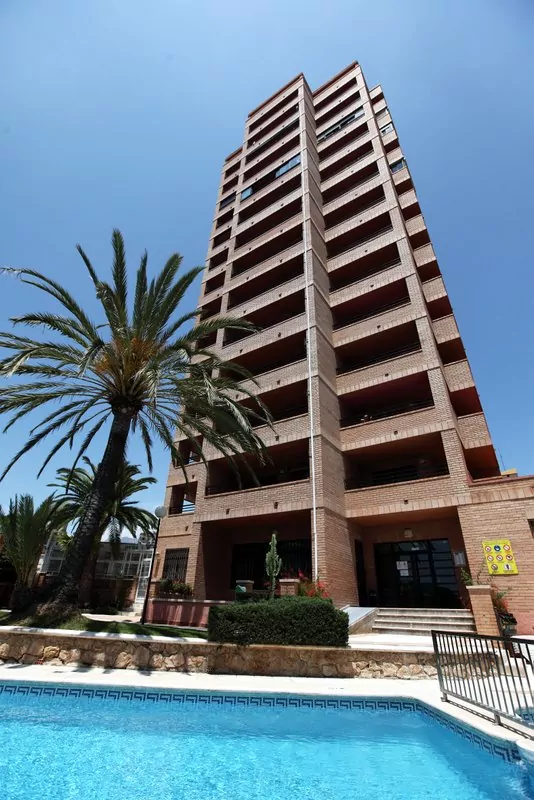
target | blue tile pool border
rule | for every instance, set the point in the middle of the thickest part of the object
(500, 748)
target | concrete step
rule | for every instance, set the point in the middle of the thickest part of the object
(423, 617)
(427, 624)
(419, 630)
(425, 612)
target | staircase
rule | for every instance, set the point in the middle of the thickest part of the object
(420, 621)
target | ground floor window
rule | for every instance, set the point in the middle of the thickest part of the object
(175, 564)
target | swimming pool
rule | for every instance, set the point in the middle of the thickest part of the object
(63, 742)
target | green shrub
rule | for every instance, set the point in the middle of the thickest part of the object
(288, 620)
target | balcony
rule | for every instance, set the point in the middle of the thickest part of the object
(366, 306)
(417, 231)
(388, 319)
(343, 138)
(284, 148)
(288, 463)
(349, 179)
(458, 376)
(333, 109)
(259, 119)
(214, 283)
(218, 259)
(372, 505)
(409, 204)
(268, 222)
(352, 156)
(279, 277)
(445, 329)
(473, 431)
(426, 262)
(415, 419)
(266, 197)
(360, 225)
(382, 373)
(355, 237)
(288, 129)
(354, 205)
(278, 377)
(402, 180)
(274, 355)
(334, 95)
(274, 244)
(382, 259)
(434, 289)
(269, 315)
(396, 462)
(383, 346)
(183, 499)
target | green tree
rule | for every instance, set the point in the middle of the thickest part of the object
(121, 514)
(142, 366)
(25, 530)
(273, 565)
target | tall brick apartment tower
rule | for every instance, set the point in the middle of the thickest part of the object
(383, 480)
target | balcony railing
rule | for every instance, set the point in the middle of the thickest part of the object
(409, 472)
(281, 477)
(384, 413)
(373, 313)
(287, 413)
(413, 347)
(185, 508)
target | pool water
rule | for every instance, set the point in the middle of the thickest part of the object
(60, 748)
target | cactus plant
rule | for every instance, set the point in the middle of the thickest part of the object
(273, 565)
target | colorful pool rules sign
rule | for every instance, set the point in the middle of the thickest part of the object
(500, 557)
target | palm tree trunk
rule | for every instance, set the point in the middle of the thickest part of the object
(65, 589)
(21, 597)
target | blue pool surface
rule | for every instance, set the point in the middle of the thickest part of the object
(171, 746)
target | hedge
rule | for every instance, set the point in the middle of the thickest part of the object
(287, 620)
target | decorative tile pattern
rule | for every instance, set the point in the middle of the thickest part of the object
(494, 746)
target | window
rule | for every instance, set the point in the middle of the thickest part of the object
(246, 193)
(397, 165)
(341, 124)
(387, 128)
(287, 166)
(175, 565)
(227, 200)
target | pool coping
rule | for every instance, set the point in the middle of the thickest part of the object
(423, 692)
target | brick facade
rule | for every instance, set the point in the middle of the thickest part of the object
(318, 236)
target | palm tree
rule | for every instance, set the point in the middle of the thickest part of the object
(139, 367)
(25, 530)
(121, 514)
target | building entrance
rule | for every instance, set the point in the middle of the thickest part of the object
(416, 574)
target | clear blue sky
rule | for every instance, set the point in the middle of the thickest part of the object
(120, 112)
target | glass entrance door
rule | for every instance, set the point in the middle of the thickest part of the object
(416, 574)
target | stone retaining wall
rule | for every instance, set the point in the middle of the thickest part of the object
(158, 653)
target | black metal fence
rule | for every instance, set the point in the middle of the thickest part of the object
(493, 673)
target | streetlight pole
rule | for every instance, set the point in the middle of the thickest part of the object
(160, 513)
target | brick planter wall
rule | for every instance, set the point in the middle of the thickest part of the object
(174, 611)
(158, 653)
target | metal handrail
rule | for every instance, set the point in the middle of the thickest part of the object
(288, 413)
(409, 472)
(492, 673)
(370, 314)
(186, 508)
(384, 413)
(261, 329)
(413, 347)
(350, 164)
